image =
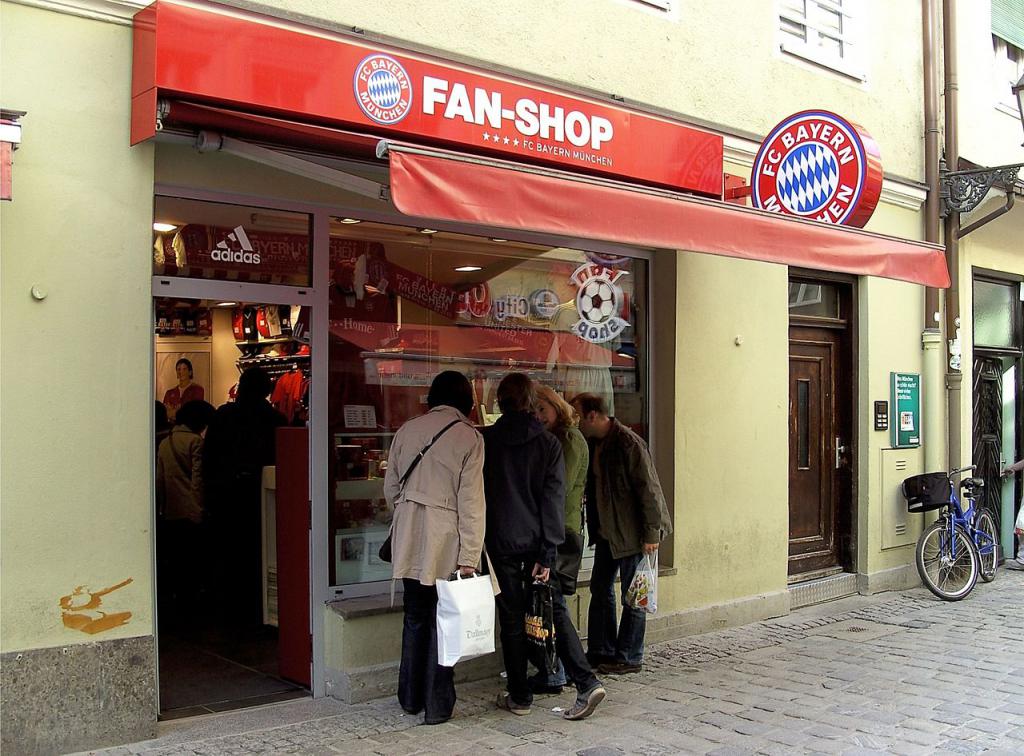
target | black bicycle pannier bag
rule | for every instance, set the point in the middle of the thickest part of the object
(926, 492)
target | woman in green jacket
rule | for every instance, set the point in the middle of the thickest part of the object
(560, 418)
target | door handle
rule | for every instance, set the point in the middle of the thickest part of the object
(840, 450)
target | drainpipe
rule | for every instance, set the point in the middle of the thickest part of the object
(933, 386)
(954, 376)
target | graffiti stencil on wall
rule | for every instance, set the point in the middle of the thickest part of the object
(80, 610)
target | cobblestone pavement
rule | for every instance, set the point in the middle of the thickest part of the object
(896, 673)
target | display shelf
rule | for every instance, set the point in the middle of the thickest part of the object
(363, 434)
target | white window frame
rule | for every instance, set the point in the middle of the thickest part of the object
(851, 37)
(1005, 101)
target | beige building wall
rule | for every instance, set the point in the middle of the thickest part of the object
(77, 404)
(76, 416)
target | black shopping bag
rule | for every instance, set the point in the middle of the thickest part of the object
(540, 621)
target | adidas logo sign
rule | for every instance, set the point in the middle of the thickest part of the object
(236, 248)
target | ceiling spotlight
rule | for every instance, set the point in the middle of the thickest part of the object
(225, 304)
(427, 230)
(498, 240)
(468, 269)
(163, 228)
(351, 220)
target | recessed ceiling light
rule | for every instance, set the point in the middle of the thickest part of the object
(351, 220)
(163, 228)
(468, 269)
(498, 240)
(427, 230)
(226, 304)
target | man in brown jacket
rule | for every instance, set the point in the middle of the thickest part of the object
(627, 518)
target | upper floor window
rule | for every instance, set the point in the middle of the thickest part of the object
(826, 32)
(1009, 67)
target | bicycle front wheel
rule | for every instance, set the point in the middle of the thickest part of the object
(947, 561)
(987, 543)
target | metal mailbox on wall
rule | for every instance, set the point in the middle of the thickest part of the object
(905, 395)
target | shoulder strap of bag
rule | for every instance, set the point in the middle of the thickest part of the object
(416, 460)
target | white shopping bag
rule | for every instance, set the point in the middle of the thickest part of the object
(643, 589)
(465, 619)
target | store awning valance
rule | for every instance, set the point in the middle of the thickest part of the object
(454, 187)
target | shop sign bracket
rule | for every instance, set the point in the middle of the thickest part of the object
(212, 141)
(962, 191)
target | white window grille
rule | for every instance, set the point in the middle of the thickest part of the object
(825, 32)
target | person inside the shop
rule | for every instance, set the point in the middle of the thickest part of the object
(161, 425)
(179, 501)
(240, 441)
(558, 417)
(627, 518)
(434, 482)
(185, 391)
(524, 480)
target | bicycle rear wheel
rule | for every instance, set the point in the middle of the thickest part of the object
(948, 564)
(988, 548)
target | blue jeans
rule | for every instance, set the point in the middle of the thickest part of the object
(625, 644)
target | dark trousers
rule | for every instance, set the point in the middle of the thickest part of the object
(423, 684)
(626, 644)
(513, 574)
(567, 644)
(237, 548)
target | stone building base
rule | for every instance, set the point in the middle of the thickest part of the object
(78, 697)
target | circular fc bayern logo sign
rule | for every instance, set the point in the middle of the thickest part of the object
(383, 89)
(817, 165)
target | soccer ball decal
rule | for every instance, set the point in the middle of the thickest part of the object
(597, 301)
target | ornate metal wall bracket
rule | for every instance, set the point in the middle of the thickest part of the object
(962, 191)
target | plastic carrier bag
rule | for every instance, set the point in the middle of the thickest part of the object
(465, 619)
(642, 593)
(540, 622)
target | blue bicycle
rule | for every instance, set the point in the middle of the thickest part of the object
(962, 544)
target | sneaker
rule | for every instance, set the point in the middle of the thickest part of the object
(619, 668)
(585, 703)
(1014, 564)
(505, 702)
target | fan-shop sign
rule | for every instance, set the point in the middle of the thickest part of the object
(818, 165)
(599, 300)
(338, 81)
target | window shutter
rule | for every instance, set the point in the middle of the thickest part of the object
(1008, 21)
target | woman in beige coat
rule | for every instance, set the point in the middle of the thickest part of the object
(438, 528)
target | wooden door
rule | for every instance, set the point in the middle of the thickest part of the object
(818, 448)
(988, 432)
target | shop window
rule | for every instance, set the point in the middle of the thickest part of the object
(995, 309)
(826, 32)
(230, 242)
(407, 303)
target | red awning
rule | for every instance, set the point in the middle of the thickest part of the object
(447, 186)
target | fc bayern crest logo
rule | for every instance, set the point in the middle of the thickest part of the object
(817, 165)
(383, 89)
(598, 303)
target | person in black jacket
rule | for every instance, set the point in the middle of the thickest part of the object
(524, 484)
(240, 441)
